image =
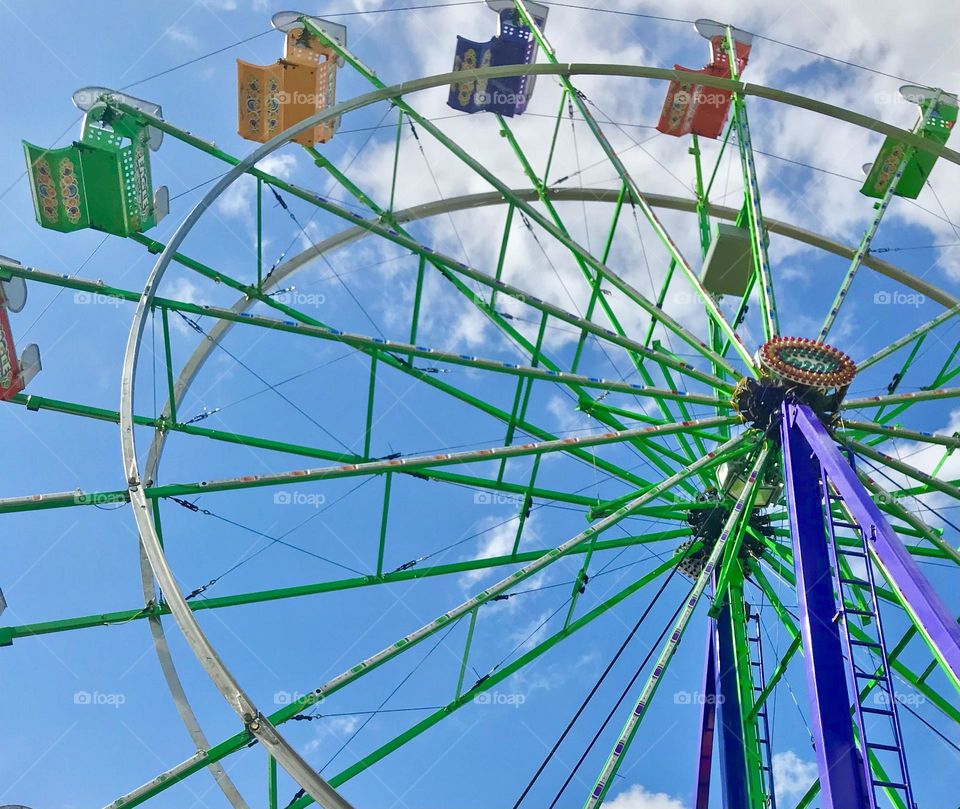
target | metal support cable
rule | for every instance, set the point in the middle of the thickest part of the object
(600, 681)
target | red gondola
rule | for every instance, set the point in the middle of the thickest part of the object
(15, 373)
(691, 107)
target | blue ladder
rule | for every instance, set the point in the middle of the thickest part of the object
(876, 677)
(755, 646)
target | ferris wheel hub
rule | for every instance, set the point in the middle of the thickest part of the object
(798, 361)
(796, 369)
(707, 524)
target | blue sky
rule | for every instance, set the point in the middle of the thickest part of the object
(60, 752)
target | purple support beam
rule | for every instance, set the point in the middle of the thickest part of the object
(842, 783)
(929, 612)
(733, 762)
(708, 718)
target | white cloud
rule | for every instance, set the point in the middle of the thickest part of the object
(343, 725)
(809, 199)
(470, 327)
(181, 288)
(637, 797)
(568, 418)
(332, 727)
(792, 775)
(281, 165)
(233, 5)
(925, 457)
(555, 677)
(238, 200)
(497, 541)
(533, 632)
(182, 37)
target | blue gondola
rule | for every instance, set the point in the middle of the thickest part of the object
(514, 44)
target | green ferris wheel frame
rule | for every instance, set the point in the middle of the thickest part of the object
(144, 514)
(144, 496)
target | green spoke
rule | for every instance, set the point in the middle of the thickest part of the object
(8, 634)
(890, 500)
(38, 403)
(495, 678)
(521, 204)
(903, 468)
(950, 441)
(239, 741)
(901, 398)
(424, 462)
(867, 240)
(611, 767)
(751, 184)
(385, 349)
(594, 280)
(649, 213)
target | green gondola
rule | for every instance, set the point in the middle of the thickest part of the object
(102, 181)
(938, 115)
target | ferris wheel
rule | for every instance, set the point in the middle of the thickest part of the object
(762, 501)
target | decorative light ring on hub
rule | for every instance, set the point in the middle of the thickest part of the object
(806, 362)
